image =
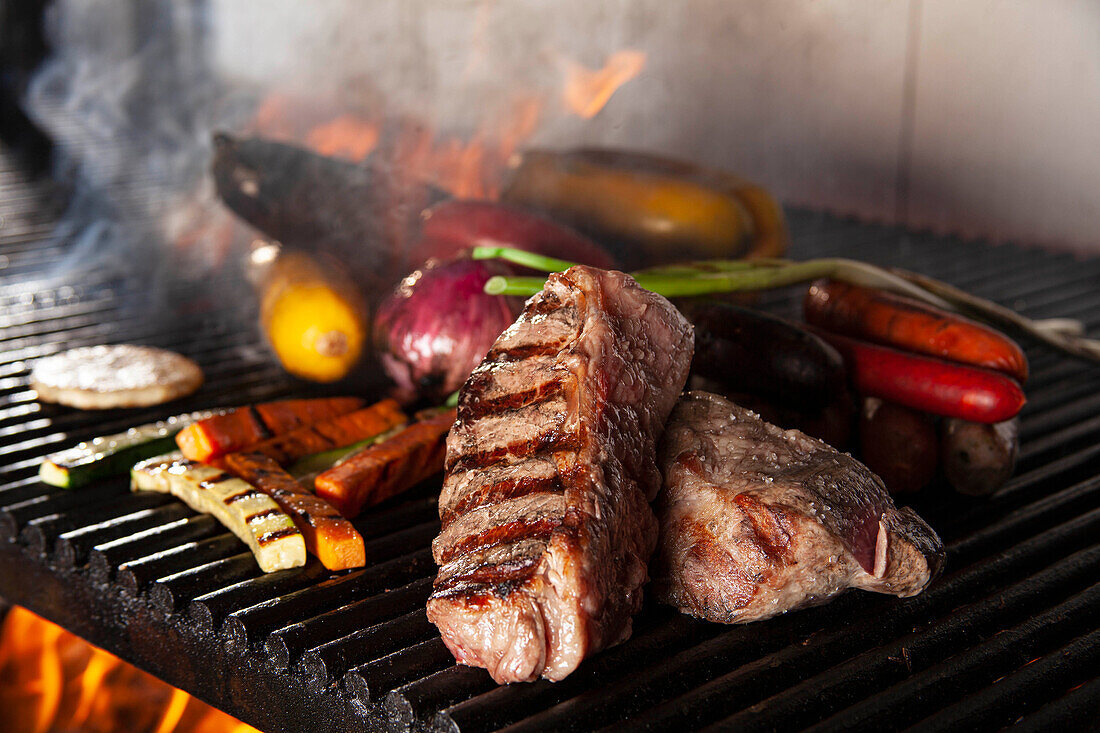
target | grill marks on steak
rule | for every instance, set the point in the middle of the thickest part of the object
(757, 520)
(547, 530)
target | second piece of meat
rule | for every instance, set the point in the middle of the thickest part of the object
(757, 520)
(547, 528)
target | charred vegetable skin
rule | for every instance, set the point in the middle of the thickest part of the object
(772, 366)
(898, 444)
(894, 320)
(324, 436)
(328, 535)
(387, 468)
(315, 203)
(927, 384)
(977, 458)
(759, 354)
(238, 429)
(654, 210)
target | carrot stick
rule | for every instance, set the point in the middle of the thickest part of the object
(235, 430)
(386, 469)
(339, 431)
(894, 320)
(328, 535)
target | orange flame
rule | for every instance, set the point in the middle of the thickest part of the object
(52, 681)
(466, 169)
(587, 91)
(347, 137)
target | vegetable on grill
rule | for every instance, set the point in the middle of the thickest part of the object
(388, 468)
(978, 459)
(453, 226)
(328, 535)
(653, 209)
(313, 316)
(710, 277)
(760, 354)
(244, 510)
(306, 469)
(438, 324)
(339, 431)
(113, 455)
(893, 320)
(238, 429)
(927, 384)
(898, 444)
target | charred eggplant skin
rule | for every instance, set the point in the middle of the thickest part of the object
(755, 353)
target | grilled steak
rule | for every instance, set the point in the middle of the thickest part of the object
(547, 528)
(756, 520)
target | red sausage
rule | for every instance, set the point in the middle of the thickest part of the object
(929, 385)
(894, 320)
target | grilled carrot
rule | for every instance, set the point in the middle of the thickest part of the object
(385, 469)
(894, 320)
(930, 385)
(328, 535)
(339, 431)
(245, 426)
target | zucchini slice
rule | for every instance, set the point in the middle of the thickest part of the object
(112, 455)
(246, 511)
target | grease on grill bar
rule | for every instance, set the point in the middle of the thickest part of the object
(1010, 631)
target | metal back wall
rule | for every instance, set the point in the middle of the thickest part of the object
(1009, 633)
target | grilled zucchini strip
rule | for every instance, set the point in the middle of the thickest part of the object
(112, 455)
(246, 511)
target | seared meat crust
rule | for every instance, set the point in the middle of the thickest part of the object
(547, 528)
(756, 520)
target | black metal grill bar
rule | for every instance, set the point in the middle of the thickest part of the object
(978, 674)
(355, 600)
(107, 556)
(41, 533)
(960, 674)
(72, 547)
(286, 645)
(251, 625)
(329, 662)
(367, 681)
(171, 592)
(190, 559)
(1076, 710)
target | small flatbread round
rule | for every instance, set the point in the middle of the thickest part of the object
(122, 375)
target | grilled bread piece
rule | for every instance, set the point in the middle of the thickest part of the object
(109, 377)
(756, 520)
(547, 528)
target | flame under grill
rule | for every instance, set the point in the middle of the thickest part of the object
(1011, 632)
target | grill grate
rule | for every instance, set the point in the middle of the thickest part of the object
(1011, 632)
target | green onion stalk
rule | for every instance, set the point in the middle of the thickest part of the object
(712, 277)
